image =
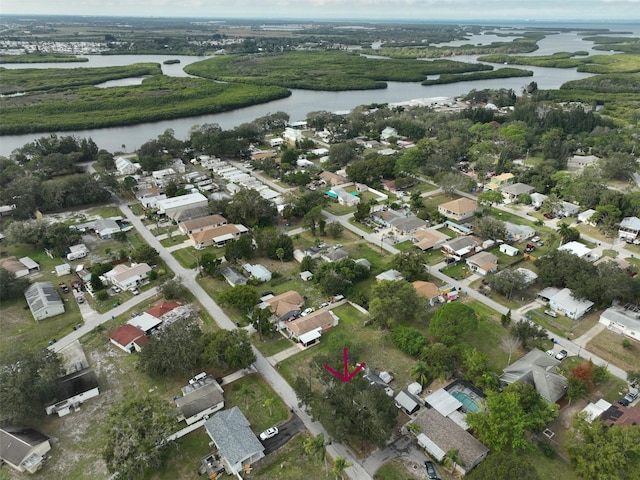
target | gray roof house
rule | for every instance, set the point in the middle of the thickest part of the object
(407, 225)
(629, 228)
(72, 390)
(439, 434)
(540, 370)
(44, 300)
(233, 276)
(624, 320)
(334, 254)
(237, 445)
(513, 191)
(199, 400)
(23, 449)
(106, 227)
(461, 246)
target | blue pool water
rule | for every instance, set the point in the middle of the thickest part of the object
(469, 404)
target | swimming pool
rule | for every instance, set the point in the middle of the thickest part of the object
(468, 403)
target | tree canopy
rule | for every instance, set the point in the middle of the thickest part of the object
(228, 349)
(393, 302)
(451, 321)
(135, 432)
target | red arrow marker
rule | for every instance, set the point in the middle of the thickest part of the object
(346, 376)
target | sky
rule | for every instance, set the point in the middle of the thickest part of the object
(408, 10)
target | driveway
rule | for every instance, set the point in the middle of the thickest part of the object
(286, 432)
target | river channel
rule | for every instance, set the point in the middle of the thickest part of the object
(300, 103)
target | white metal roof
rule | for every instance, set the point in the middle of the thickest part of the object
(310, 336)
(443, 402)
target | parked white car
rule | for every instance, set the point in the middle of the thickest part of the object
(269, 433)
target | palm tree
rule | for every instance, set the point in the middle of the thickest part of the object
(314, 446)
(269, 404)
(247, 393)
(421, 372)
(565, 232)
(280, 253)
(453, 459)
(339, 464)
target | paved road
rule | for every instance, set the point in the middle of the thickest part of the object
(188, 279)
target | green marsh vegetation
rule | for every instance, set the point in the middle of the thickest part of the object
(41, 58)
(464, 77)
(157, 98)
(618, 63)
(326, 70)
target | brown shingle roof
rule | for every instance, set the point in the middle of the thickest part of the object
(426, 289)
(320, 319)
(460, 205)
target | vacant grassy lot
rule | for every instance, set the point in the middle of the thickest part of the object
(291, 462)
(608, 346)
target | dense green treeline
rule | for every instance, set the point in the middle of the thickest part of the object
(612, 83)
(41, 58)
(331, 70)
(465, 77)
(56, 79)
(157, 98)
(619, 63)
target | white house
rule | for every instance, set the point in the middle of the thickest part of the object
(389, 275)
(199, 400)
(23, 449)
(124, 166)
(129, 338)
(145, 322)
(276, 142)
(585, 217)
(106, 227)
(509, 250)
(561, 300)
(629, 229)
(482, 263)
(576, 248)
(44, 300)
(128, 278)
(257, 271)
(72, 390)
(537, 199)
(172, 206)
(623, 320)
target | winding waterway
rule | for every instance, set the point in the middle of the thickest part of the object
(301, 102)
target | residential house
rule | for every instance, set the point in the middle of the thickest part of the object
(528, 276)
(161, 309)
(333, 179)
(106, 228)
(499, 181)
(308, 329)
(407, 402)
(292, 136)
(517, 232)
(389, 275)
(128, 277)
(465, 229)
(124, 166)
(203, 223)
(163, 177)
(385, 217)
(6, 210)
(459, 209)
(199, 400)
(19, 267)
(594, 410)
(306, 276)
(576, 248)
(540, 370)
(233, 276)
(276, 141)
(563, 301)
(129, 338)
(334, 254)
(585, 217)
(145, 322)
(567, 209)
(171, 207)
(218, 236)
(257, 271)
(72, 390)
(44, 300)
(461, 247)
(580, 161)
(407, 225)
(364, 262)
(262, 155)
(190, 214)
(388, 132)
(621, 416)
(285, 305)
(150, 200)
(509, 250)
(427, 290)
(237, 445)
(623, 320)
(629, 229)
(512, 192)
(483, 263)
(439, 435)
(537, 199)
(23, 449)
(312, 252)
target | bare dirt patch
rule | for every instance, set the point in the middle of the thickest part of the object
(608, 346)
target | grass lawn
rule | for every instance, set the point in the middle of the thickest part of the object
(405, 246)
(361, 226)
(594, 232)
(432, 201)
(252, 402)
(608, 346)
(379, 261)
(291, 462)
(395, 470)
(560, 325)
(549, 467)
(433, 257)
(182, 459)
(271, 346)
(457, 271)
(337, 209)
